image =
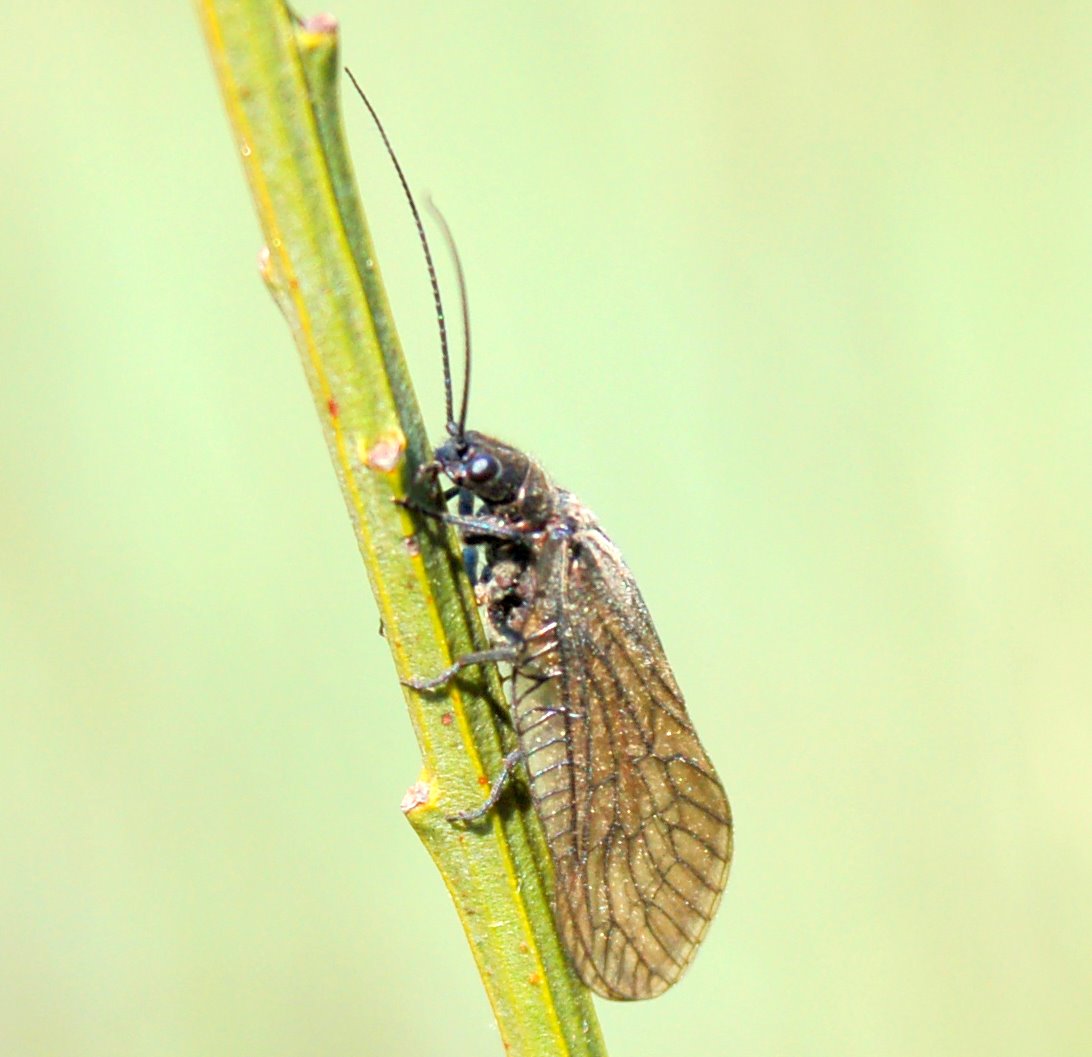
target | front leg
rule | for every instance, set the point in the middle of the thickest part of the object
(470, 551)
(486, 526)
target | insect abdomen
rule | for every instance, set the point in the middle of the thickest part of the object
(545, 736)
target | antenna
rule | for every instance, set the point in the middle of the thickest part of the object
(452, 428)
(464, 300)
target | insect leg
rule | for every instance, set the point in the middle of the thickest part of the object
(499, 654)
(511, 762)
(480, 526)
(470, 553)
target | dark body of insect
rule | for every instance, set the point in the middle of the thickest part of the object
(636, 819)
(635, 816)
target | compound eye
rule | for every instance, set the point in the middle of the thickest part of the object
(482, 468)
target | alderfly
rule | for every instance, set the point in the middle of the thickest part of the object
(636, 819)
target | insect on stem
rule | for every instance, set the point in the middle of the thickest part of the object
(634, 814)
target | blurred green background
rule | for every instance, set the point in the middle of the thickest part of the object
(796, 296)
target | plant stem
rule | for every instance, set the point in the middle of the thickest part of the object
(279, 78)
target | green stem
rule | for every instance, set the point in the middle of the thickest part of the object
(279, 80)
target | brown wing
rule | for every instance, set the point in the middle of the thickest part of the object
(636, 818)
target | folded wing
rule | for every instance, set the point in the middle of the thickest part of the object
(636, 818)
